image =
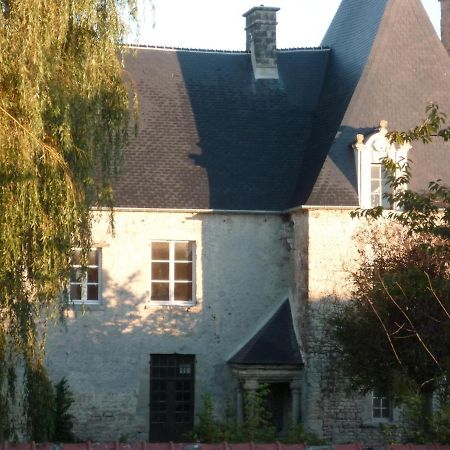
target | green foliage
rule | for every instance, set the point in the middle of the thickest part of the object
(63, 419)
(398, 321)
(39, 403)
(428, 424)
(256, 426)
(208, 429)
(47, 406)
(64, 118)
(296, 434)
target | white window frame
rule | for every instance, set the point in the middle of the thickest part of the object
(172, 261)
(367, 412)
(383, 186)
(84, 281)
(389, 407)
(371, 150)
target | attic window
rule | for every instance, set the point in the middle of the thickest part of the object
(372, 177)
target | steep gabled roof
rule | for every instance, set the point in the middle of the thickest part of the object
(274, 344)
(386, 63)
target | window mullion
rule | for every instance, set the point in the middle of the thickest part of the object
(172, 271)
(84, 288)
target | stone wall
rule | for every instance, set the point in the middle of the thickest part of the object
(242, 276)
(329, 409)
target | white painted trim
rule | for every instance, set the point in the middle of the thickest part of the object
(171, 302)
(84, 284)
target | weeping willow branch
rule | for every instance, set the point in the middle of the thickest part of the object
(64, 119)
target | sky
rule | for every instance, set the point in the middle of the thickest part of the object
(218, 24)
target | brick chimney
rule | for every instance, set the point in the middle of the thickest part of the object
(261, 24)
(445, 23)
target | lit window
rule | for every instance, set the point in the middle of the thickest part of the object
(172, 272)
(381, 407)
(379, 186)
(85, 281)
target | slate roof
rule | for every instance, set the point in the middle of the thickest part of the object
(274, 344)
(387, 63)
(212, 137)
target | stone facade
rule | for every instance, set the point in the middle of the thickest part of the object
(246, 265)
(242, 276)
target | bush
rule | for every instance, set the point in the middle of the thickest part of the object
(47, 407)
(256, 427)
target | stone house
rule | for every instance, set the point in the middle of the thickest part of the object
(232, 226)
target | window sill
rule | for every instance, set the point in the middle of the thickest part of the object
(378, 423)
(86, 306)
(169, 303)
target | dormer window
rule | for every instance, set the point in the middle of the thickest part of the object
(372, 176)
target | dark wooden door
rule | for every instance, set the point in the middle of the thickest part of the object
(171, 396)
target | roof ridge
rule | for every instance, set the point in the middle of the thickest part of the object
(210, 50)
(187, 49)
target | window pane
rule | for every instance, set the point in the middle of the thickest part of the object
(160, 271)
(160, 291)
(92, 275)
(375, 186)
(375, 171)
(75, 292)
(160, 250)
(92, 292)
(183, 251)
(76, 258)
(93, 258)
(76, 275)
(183, 271)
(183, 291)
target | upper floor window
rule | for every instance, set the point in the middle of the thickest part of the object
(372, 176)
(172, 269)
(85, 280)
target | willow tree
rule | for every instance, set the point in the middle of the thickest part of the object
(64, 115)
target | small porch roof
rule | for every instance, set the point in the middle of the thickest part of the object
(275, 344)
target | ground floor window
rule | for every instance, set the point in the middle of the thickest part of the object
(171, 396)
(381, 407)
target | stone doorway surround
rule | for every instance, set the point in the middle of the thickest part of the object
(250, 378)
